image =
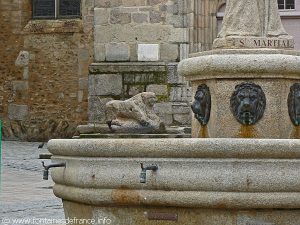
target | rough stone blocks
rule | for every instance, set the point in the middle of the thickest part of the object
(17, 112)
(105, 84)
(117, 52)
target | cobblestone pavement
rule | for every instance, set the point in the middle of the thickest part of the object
(24, 193)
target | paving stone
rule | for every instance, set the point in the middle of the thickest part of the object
(24, 194)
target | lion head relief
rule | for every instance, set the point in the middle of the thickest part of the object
(248, 103)
(294, 104)
(202, 104)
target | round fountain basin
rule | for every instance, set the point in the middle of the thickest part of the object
(226, 177)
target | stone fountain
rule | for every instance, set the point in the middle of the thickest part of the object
(245, 168)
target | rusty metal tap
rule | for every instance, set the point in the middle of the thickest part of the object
(144, 170)
(46, 168)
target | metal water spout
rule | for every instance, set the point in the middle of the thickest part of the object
(144, 171)
(46, 168)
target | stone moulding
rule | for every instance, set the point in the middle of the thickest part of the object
(255, 173)
(177, 148)
(188, 199)
(241, 64)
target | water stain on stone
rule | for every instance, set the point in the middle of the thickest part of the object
(203, 133)
(296, 132)
(125, 196)
(247, 132)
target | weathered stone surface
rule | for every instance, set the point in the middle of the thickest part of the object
(148, 52)
(163, 108)
(97, 109)
(237, 22)
(128, 3)
(181, 94)
(99, 52)
(180, 108)
(173, 76)
(92, 128)
(83, 83)
(117, 52)
(107, 3)
(140, 17)
(135, 89)
(116, 16)
(20, 85)
(155, 16)
(17, 112)
(105, 84)
(158, 89)
(179, 35)
(134, 115)
(101, 16)
(169, 52)
(23, 59)
(183, 119)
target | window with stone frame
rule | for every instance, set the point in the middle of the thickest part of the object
(286, 4)
(55, 9)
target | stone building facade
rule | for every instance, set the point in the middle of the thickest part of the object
(57, 74)
(44, 71)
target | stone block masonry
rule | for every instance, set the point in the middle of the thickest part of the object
(137, 45)
(44, 72)
(109, 81)
(134, 23)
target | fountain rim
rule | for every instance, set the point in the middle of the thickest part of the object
(231, 63)
(242, 148)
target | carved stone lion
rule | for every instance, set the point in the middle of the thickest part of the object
(202, 104)
(248, 103)
(294, 104)
(134, 115)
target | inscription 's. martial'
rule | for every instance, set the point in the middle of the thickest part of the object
(255, 42)
(267, 43)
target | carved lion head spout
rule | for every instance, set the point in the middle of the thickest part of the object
(202, 104)
(248, 103)
(294, 104)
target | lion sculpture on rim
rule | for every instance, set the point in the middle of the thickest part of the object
(134, 115)
(248, 103)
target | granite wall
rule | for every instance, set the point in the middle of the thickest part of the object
(137, 47)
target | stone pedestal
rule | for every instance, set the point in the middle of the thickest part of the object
(275, 71)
